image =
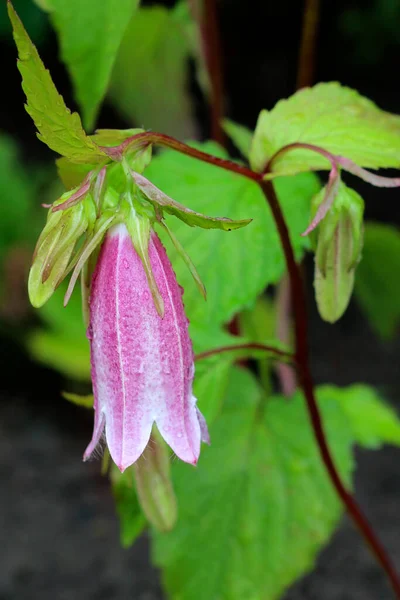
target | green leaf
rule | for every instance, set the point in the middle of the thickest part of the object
(90, 34)
(332, 117)
(260, 506)
(60, 129)
(132, 520)
(17, 192)
(149, 83)
(234, 266)
(240, 135)
(62, 345)
(373, 423)
(377, 286)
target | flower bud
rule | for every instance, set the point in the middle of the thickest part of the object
(54, 250)
(338, 251)
(153, 483)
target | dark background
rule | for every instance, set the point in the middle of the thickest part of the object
(58, 529)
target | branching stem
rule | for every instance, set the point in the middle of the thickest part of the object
(301, 358)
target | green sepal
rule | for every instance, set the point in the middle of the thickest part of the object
(188, 216)
(153, 483)
(139, 229)
(186, 259)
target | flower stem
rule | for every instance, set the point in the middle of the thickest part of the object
(279, 354)
(306, 62)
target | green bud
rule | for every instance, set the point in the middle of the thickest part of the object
(339, 240)
(153, 483)
(54, 249)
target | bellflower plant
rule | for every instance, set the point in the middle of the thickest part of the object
(104, 231)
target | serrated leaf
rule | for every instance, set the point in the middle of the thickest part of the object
(60, 129)
(234, 266)
(240, 135)
(132, 520)
(149, 83)
(332, 117)
(260, 506)
(90, 34)
(377, 286)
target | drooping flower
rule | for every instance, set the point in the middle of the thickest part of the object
(141, 353)
(142, 363)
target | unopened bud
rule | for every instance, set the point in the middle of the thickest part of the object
(153, 482)
(338, 251)
(54, 250)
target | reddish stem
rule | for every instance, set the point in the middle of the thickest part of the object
(287, 356)
(302, 362)
(212, 53)
(300, 316)
(306, 63)
(141, 140)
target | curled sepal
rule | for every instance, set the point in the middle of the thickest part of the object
(139, 228)
(329, 194)
(142, 364)
(338, 251)
(186, 259)
(54, 250)
(91, 243)
(188, 216)
(153, 483)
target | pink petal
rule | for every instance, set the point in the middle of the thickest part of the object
(142, 364)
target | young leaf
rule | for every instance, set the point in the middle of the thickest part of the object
(332, 117)
(90, 35)
(60, 129)
(236, 266)
(377, 286)
(260, 505)
(149, 83)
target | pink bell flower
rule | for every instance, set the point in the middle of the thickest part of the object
(142, 363)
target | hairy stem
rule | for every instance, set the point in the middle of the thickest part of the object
(306, 382)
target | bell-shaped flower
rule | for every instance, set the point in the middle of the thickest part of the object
(142, 361)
